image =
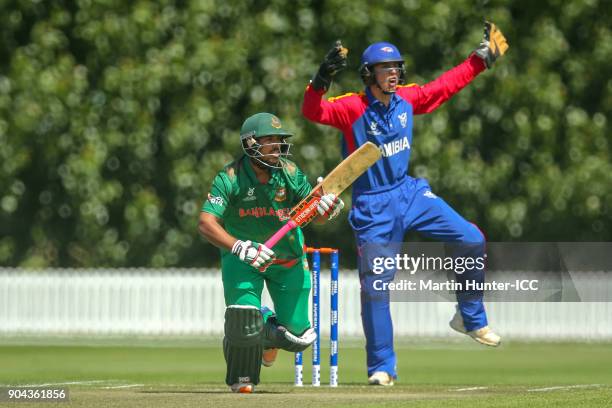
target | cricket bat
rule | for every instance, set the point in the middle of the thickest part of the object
(338, 180)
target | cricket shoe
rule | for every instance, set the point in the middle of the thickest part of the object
(269, 357)
(381, 378)
(243, 388)
(484, 335)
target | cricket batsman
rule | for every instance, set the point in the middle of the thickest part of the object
(250, 199)
(387, 202)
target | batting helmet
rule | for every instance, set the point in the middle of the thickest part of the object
(260, 125)
(378, 53)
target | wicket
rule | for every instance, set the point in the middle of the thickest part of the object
(333, 319)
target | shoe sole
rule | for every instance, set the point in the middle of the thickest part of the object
(380, 384)
(476, 339)
(486, 343)
(244, 390)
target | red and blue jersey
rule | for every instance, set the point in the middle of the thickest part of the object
(361, 118)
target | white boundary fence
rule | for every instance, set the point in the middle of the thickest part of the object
(190, 301)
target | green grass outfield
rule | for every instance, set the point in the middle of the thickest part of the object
(190, 373)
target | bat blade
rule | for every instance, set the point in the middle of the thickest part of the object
(338, 180)
(345, 174)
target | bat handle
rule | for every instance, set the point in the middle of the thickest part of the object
(278, 235)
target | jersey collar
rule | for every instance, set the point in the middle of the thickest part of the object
(378, 104)
(248, 167)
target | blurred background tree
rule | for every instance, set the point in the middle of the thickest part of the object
(115, 116)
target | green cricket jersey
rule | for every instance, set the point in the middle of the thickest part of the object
(251, 210)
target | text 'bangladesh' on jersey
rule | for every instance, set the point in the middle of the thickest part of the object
(251, 210)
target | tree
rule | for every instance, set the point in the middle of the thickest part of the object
(115, 116)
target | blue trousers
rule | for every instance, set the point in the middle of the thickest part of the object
(383, 217)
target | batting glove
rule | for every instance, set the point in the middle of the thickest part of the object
(254, 254)
(335, 61)
(330, 206)
(493, 45)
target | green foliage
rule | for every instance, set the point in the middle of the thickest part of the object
(115, 116)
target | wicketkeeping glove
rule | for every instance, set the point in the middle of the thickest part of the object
(254, 254)
(330, 206)
(493, 45)
(335, 61)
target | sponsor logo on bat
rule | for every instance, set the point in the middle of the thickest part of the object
(306, 213)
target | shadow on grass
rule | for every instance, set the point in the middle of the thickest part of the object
(205, 392)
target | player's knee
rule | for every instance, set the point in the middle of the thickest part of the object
(375, 287)
(243, 325)
(473, 235)
(241, 295)
(277, 336)
(295, 326)
(301, 342)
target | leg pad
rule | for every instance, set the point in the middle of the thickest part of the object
(242, 344)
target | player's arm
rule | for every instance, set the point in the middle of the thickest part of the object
(334, 62)
(210, 226)
(427, 98)
(314, 107)
(253, 253)
(338, 180)
(210, 223)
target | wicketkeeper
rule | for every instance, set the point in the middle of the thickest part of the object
(250, 199)
(387, 202)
